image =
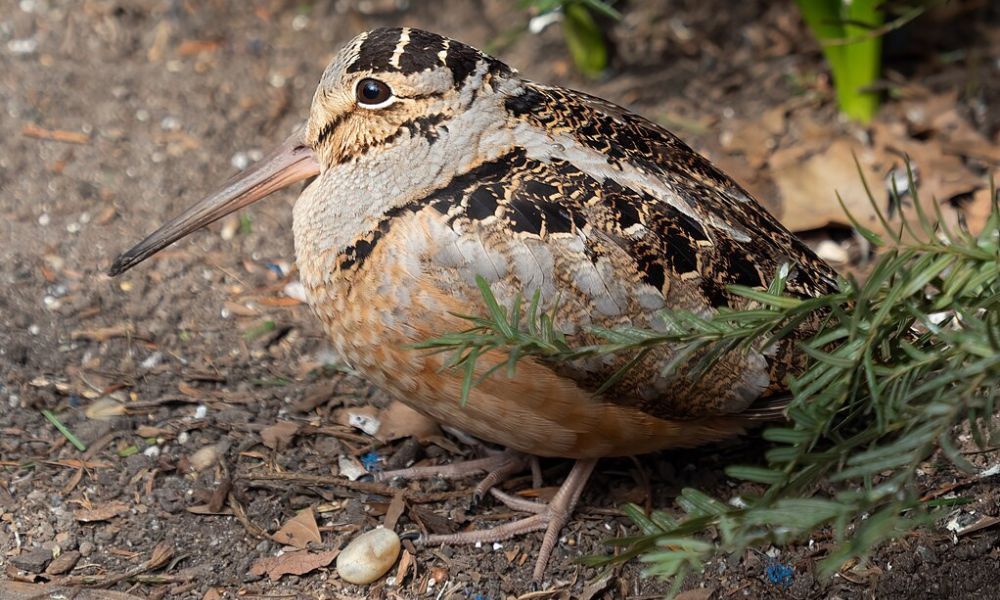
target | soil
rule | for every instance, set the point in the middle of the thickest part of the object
(118, 114)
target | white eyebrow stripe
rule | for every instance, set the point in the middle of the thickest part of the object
(404, 39)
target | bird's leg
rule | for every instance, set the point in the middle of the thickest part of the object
(551, 517)
(498, 466)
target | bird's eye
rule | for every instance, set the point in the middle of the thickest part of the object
(372, 93)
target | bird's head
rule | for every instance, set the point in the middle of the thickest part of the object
(393, 89)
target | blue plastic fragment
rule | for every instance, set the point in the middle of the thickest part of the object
(780, 574)
(370, 461)
(275, 268)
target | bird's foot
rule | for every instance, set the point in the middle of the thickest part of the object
(498, 467)
(551, 517)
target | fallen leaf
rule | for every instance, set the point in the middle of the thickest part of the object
(364, 418)
(279, 435)
(809, 185)
(292, 563)
(405, 562)
(104, 409)
(350, 468)
(105, 511)
(396, 507)
(978, 210)
(299, 530)
(399, 420)
(207, 456)
(696, 594)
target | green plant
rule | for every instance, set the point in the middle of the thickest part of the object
(841, 26)
(898, 362)
(584, 37)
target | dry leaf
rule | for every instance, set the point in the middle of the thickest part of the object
(978, 210)
(399, 420)
(299, 530)
(104, 409)
(162, 553)
(205, 457)
(105, 511)
(405, 562)
(696, 594)
(279, 435)
(809, 186)
(396, 507)
(350, 468)
(212, 594)
(292, 563)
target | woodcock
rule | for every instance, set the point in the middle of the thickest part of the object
(435, 163)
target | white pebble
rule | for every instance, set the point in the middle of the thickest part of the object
(183, 437)
(34, 329)
(152, 360)
(44, 219)
(300, 22)
(831, 251)
(201, 411)
(152, 451)
(170, 123)
(23, 46)
(368, 556)
(240, 161)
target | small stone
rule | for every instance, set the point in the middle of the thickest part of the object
(86, 548)
(63, 563)
(368, 556)
(36, 560)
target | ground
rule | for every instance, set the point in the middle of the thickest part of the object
(210, 404)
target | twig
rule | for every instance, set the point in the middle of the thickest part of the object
(56, 135)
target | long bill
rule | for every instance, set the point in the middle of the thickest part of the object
(290, 162)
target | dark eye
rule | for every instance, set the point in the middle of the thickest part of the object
(372, 93)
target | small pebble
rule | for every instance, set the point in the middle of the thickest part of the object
(23, 46)
(831, 251)
(369, 556)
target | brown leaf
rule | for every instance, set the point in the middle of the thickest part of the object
(399, 421)
(978, 210)
(279, 435)
(103, 512)
(162, 553)
(696, 594)
(396, 507)
(405, 562)
(809, 185)
(292, 563)
(299, 530)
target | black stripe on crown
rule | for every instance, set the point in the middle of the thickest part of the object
(422, 52)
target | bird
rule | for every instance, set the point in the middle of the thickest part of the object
(434, 165)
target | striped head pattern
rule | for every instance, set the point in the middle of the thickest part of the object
(389, 83)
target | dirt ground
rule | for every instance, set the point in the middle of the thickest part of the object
(211, 406)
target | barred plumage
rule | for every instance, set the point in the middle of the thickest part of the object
(436, 164)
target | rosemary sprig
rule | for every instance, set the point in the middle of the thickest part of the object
(898, 362)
